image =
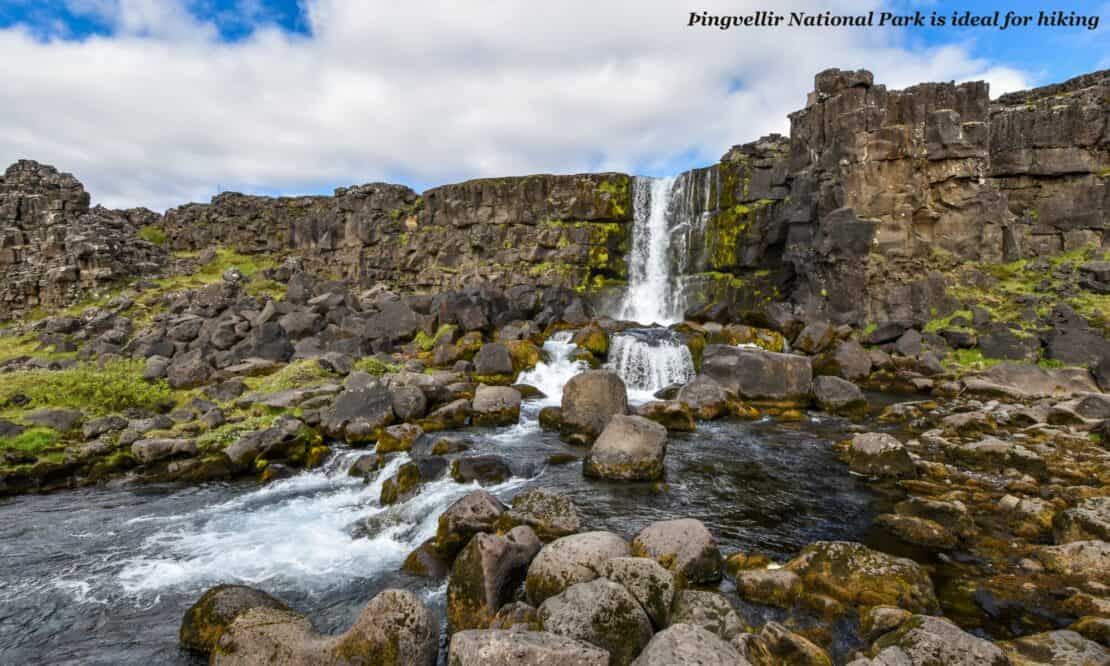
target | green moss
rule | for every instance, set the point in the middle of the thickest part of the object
(427, 342)
(1050, 363)
(298, 374)
(153, 234)
(373, 366)
(12, 346)
(617, 189)
(969, 359)
(32, 441)
(1105, 173)
(944, 323)
(92, 389)
(220, 438)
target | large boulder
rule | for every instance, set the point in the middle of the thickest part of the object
(394, 629)
(189, 370)
(673, 415)
(152, 450)
(855, 575)
(688, 645)
(409, 402)
(550, 513)
(880, 454)
(485, 575)
(600, 612)
(207, 619)
(651, 584)
(709, 610)
(495, 406)
(756, 374)
(475, 512)
(359, 413)
(1024, 381)
(684, 547)
(590, 399)
(570, 560)
(493, 360)
(707, 398)
(838, 396)
(924, 640)
(498, 647)
(398, 437)
(1055, 648)
(630, 448)
(849, 360)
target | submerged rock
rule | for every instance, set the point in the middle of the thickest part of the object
(630, 448)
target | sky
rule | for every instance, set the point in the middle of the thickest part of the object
(161, 102)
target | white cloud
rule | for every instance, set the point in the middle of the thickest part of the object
(429, 92)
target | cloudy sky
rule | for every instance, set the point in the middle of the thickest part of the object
(160, 102)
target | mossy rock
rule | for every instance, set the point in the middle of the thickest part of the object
(525, 354)
(207, 619)
(593, 339)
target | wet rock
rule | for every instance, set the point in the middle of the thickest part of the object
(551, 418)
(952, 515)
(516, 614)
(288, 437)
(880, 454)
(838, 396)
(492, 647)
(918, 531)
(486, 470)
(1089, 559)
(410, 476)
(707, 398)
(548, 512)
(398, 437)
(475, 512)
(756, 374)
(570, 560)
(773, 587)
(62, 420)
(208, 618)
(152, 450)
(485, 575)
(684, 547)
(688, 645)
(600, 612)
(1093, 628)
(1089, 520)
(709, 610)
(673, 415)
(878, 620)
(1055, 648)
(496, 406)
(1024, 381)
(454, 414)
(647, 581)
(630, 448)
(590, 399)
(367, 466)
(853, 574)
(358, 415)
(925, 640)
(394, 629)
(427, 561)
(787, 647)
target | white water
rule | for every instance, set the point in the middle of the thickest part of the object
(648, 364)
(650, 296)
(552, 375)
(299, 529)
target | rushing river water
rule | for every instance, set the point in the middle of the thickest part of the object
(103, 575)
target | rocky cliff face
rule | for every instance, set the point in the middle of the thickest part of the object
(852, 218)
(54, 248)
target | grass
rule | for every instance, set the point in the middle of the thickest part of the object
(969, 360)
(32, 441)
(373, 366)
(428, 342)
(12, 346)
(94, 390)
(153, 234)
(247, 264)
(299, 374)
(225, 435)
(945, 323)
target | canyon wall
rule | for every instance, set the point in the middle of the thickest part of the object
(850, 218)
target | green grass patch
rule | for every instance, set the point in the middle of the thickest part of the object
(427, 342)
(969, 360)
(92, 389)
(12, 346)
(248, 265)
(945, 323)
(153, 234)
(298, 374)
(220, 438)
(373, 366)
(32, 441)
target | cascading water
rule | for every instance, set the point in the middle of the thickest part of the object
(649, 359)
(650, 296)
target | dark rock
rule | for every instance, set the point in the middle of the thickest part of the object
(630, 448)
(485, 575)
(62, 420)
(487, 470)
(838, 396)
(759, 375)
(590, 399)
(207, 619)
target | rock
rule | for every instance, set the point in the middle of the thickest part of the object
(475, 512)
(394, 629)
(888, 331)
(684, 547)
(288, 437)
(207, 619)
(878, 620)
(358, 415)
(593, 339)
(853, 574)
(1089, 520)
(570, 560)
(673, 415)
(1024, 381)
(427, 561)
(62, 420)
(486, 470)
(688, 645)
(756, 374)
(787, 647)
(548, 512)
(516, 614)
(707, 398)
(849, 360)
(590, 399)
(772, 587)
(630, 448)
(367, 466)
(10, 429)
(496, 406)
(485, 575)
(815, 337)
(952, 515)
(600, 612)
(189, 370)
(493, 359)
(399, 437)
(454, 414)
(156, 368)
(409, 402)
(409, 477)
(1055, 648)
(152, 450)
(1088, 559)
(492, 647)
(992, 453)
(925, 640)
(880, 454)
(647, 581)
(708, 610)
(838, 396)
(915, 530)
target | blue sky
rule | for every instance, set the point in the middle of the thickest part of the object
(156, 102)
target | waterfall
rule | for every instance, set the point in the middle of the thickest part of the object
(551, 376)
(649, 359)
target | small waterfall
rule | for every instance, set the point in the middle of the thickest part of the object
(649, 359)
(551, 376)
